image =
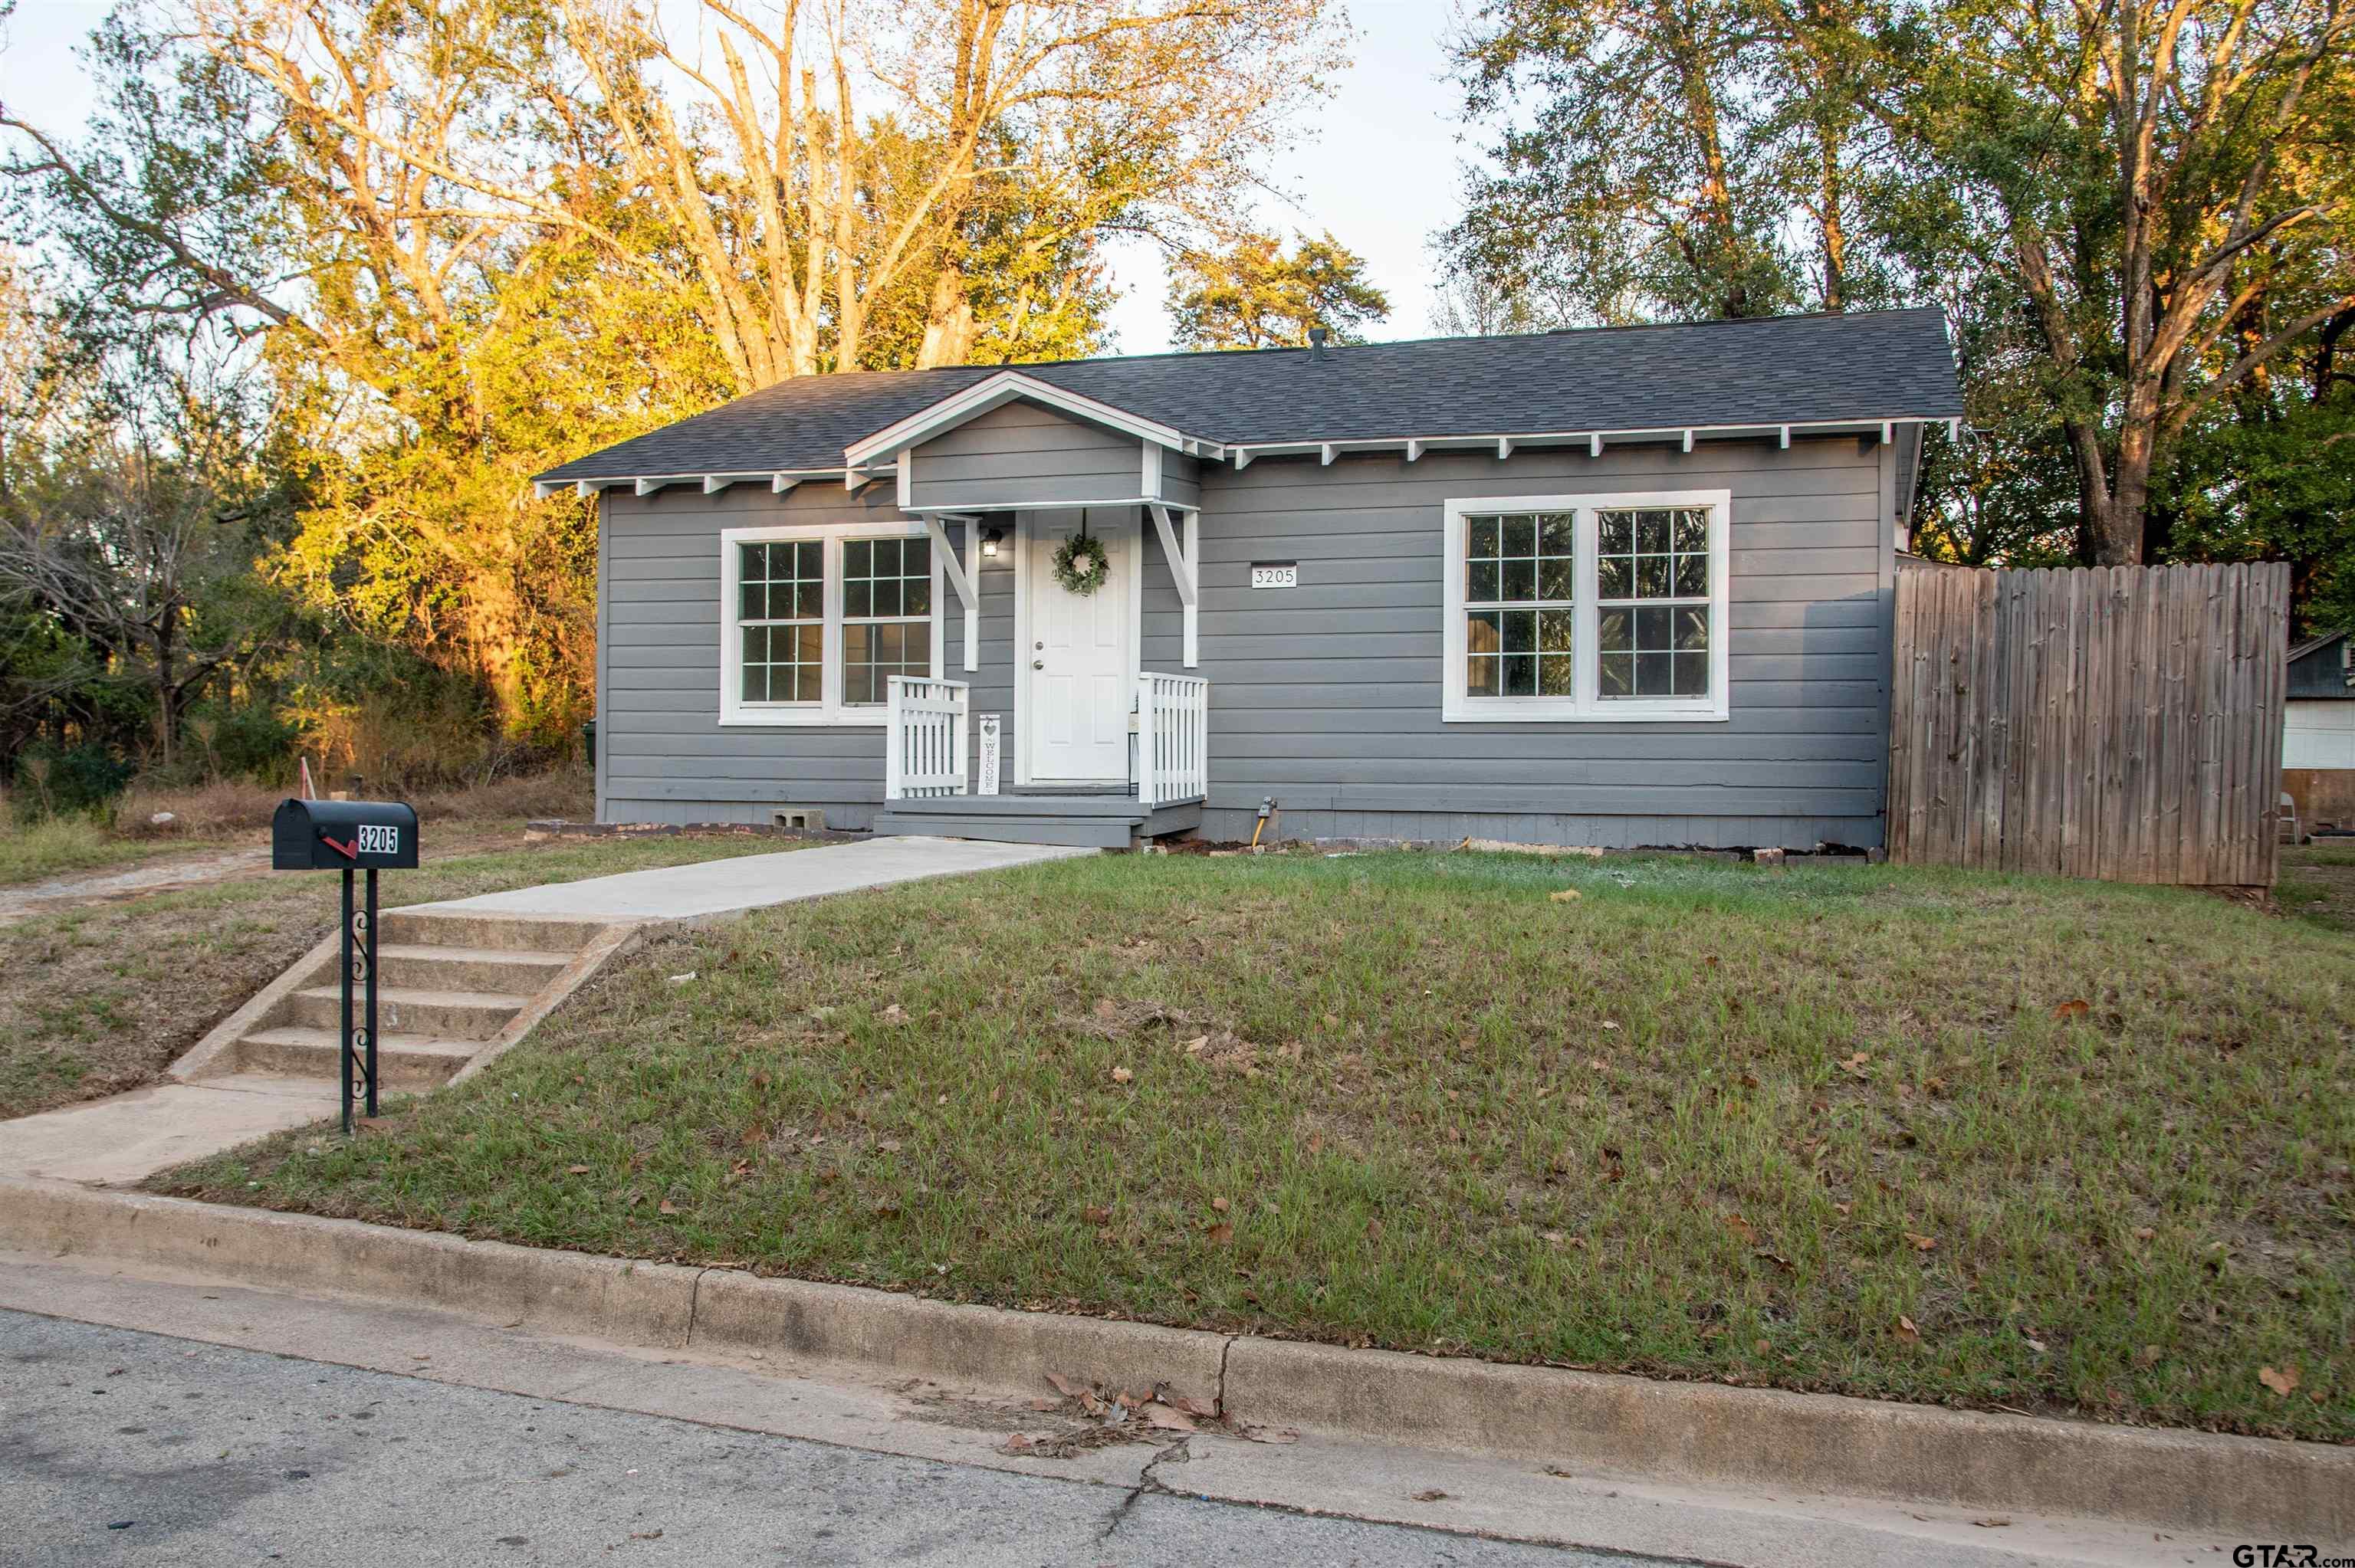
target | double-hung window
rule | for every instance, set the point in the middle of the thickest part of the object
(1586, 607)
(816, 621)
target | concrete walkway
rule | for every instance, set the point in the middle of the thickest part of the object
(755, 881)
(125, 1138)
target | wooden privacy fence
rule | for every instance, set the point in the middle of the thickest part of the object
(2117, 721)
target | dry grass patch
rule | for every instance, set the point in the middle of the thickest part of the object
(1987, 1141)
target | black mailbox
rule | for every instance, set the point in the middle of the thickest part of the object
(343, 835)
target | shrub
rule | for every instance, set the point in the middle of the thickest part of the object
(66, 780)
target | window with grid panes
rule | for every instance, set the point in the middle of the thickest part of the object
(780, 618)
(887, 615)
(1652, 602)
(1520, 603)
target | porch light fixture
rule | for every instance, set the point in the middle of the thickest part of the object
(990, 538)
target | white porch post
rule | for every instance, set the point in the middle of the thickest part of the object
(893, 729)
(960, 577)
(1184, 568)
(1148, 732)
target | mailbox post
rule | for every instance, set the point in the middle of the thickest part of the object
(349, 836)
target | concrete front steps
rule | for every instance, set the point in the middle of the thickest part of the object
(452, 990)
(1089, 819)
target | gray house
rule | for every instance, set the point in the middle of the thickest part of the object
(1620, 587)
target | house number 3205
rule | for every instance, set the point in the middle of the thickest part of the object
(1276, 574)
(379, 838)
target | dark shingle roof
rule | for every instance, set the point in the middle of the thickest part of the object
(1772, 370)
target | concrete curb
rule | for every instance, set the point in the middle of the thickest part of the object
(1682, 1431)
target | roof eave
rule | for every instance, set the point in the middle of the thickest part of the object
(1504, 443)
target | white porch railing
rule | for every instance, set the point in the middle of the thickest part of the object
(1173, 735)
(924, 742)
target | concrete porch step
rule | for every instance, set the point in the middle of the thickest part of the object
(502, 932)
(402, 1061)
(449, 1014)
(1097, 821)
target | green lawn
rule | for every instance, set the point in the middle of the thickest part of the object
(1994, 1143)
(2317, 883)
(100, 1000)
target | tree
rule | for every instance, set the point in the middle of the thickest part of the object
(1251, 294)
(1660, 160)
(2166, 182)
(129, 537)
(839, 168)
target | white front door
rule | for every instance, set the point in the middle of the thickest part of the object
(1080, 661)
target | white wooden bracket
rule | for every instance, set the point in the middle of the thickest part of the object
(1185, 562)
(960, 579)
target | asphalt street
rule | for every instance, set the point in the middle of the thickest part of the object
(120, 1446)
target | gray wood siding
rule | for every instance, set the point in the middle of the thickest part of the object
(1327, 696)
(662, 753)
(1024, 455)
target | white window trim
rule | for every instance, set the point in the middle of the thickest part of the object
(831, 711)
(1587, 706)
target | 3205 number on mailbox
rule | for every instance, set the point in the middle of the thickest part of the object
(378, 838)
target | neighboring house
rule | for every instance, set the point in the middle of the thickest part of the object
(2318, 731)
(1620, 587)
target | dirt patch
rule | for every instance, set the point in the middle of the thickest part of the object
(81, 892)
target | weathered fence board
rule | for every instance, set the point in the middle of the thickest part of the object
(2122, 723)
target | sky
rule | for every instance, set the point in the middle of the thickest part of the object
(1377, 163)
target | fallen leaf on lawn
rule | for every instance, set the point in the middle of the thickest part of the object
(1844, 1208)
(666, 1207)
(1222, 1235)
(2283, 1383)
(995, 1091)
(2034, 1343)
(1206, 1408)
(1044, 1404)
(1556, 1237)
(1106, 1008)
(1096, 1214)
(1564, 895)
(1761, 1347)
(1996, 1523)
(1776, 1258)
(1608, 1025)
(1921, 1243)
(1907, 1331)
(895, 1013)
(1122, 1075)
(1270, 1434)
(2144, 1232)
(1315, 1142)
(682, 979)
(1740, 1227)
(1015, 1444)
(1598, 1064)
(1159, 1414)
(1219, 1205)
(1065, 1386)
(576, 1171)
(2075, 1007)
(886, 1209)
(1749, 1080)
(1194, 1047)
(2148, 1356)
(1431, 1494)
